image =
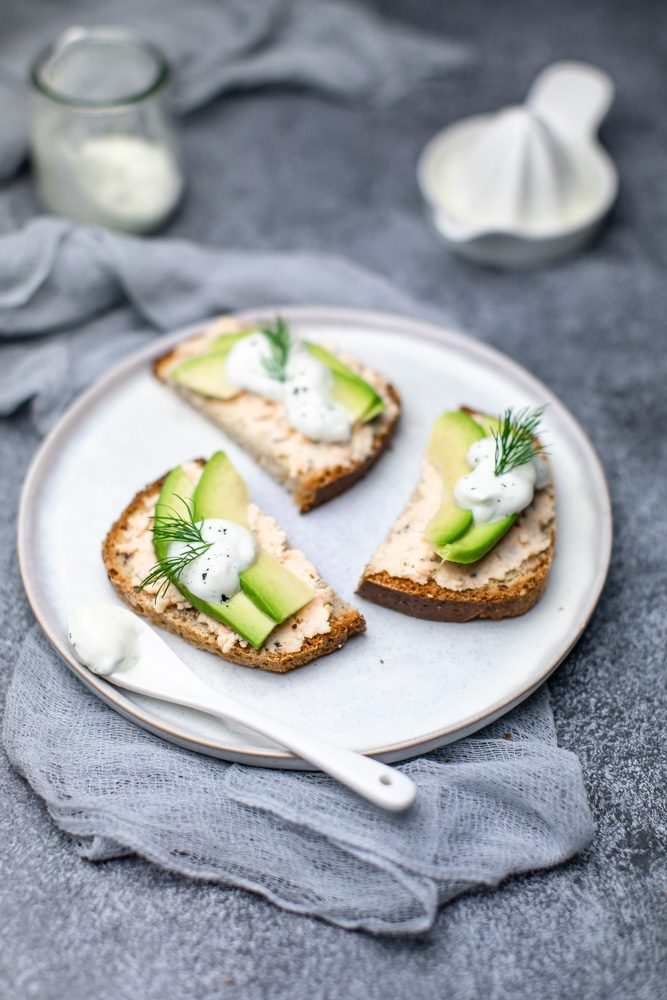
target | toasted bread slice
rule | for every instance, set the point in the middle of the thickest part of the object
(321, 627)
(313, 472)
(406, 575)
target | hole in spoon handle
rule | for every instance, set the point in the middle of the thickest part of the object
(382, 785)
(379, 783)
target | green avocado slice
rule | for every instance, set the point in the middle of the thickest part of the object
(349, 390)
(451, 437)
(206, 375)
(238, 612)
(476, 541)
(206, 372)
(221, 492)
(175, 498)
(273, 588)
(227, 340)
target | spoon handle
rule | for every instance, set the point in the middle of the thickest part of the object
(373, 780)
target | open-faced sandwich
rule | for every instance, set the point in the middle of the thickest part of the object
(197, 558)
(476, 539)
(314, 418)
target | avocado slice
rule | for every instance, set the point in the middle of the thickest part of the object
(206, 375)
(349, 390)
(476, 541)
(238, 612)
(273, 588)
(206, 372)
(451, 437)
(227, 341)
(175, 498)
(489, 425)
(221, 492)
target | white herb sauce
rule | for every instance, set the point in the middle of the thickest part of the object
(214, 575)
(305, 391)
(104, 638)
(491, 497)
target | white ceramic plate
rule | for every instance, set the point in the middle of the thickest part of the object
(407, 685)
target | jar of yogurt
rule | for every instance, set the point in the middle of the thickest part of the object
(103, 145)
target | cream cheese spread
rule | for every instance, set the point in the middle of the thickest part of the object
(104, 638)
(214, 575)
(406, 553)
(305, 390)
(491, 497)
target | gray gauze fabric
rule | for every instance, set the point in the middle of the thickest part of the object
(100, 294)
(213, 47)
(505, 801)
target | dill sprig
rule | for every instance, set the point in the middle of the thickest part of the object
(280, 341)
(516, 438)
(175, 528)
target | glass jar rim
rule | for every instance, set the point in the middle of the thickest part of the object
(99, 34)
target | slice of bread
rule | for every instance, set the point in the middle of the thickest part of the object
(406, 575)
(313, 472)
(321, 627)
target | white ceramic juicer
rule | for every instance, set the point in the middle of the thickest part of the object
(531, 183)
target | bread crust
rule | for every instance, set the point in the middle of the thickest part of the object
(186, 623)
(502, 600)
(308, 491)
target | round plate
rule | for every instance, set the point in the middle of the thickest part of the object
(407, 685)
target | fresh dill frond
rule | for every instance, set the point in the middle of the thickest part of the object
(516, 438)
(280, 341)
(175, 528)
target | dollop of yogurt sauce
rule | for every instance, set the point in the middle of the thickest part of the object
(305, 391)
(491, 497)
(214, 575)
(104, 638)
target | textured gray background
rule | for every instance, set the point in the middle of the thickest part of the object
(287, 170)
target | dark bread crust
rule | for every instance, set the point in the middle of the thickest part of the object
(184, 622)
(442, 605)
(311, 491)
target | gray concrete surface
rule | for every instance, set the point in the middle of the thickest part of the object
(289, 170)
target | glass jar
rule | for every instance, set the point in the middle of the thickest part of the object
(103, 146)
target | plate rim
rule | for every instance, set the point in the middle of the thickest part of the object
(369, 319)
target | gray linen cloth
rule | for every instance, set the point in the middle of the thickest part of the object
(506, 800)
(337, 48)
(100, 295)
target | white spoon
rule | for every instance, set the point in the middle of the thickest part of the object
(116, 644)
